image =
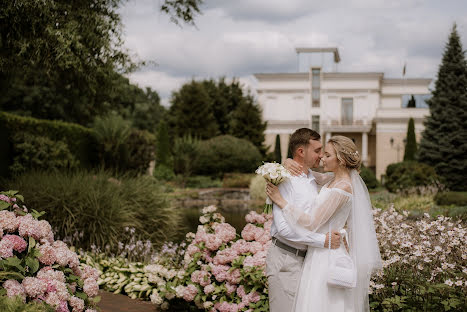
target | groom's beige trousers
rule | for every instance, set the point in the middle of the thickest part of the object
(283, 270)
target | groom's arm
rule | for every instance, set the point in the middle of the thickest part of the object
(283, 227)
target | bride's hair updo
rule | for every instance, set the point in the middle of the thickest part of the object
(346, 152)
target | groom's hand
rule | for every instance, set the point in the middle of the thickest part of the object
(335, 240)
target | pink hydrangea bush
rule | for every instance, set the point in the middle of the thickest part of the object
(37, 268)
(224, 271)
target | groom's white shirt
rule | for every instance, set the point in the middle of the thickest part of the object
(301, 191)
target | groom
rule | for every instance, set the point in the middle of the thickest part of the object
(288, 249)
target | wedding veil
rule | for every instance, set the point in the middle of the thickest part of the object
(364, 248)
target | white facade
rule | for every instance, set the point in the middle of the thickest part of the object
(364, 106)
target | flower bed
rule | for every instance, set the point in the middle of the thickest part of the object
(37, 268)
(220, 270)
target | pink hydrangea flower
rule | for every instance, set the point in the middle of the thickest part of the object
(34, 287)
(91, 288)
(213, 242)
(190, 292)
(192, 249)
(62, 307)
(19, 244)
(234, 276)
(47, 254)
(225, 232)
(209, 289)
(90, 272)
(5, 198)
(6, 248)
(14, 288)
(230, 288)
(29, 227)
(77, 304)
(8, 221)
(47, 273)
(220, 272)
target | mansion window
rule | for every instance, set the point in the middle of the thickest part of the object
(347, 111)
(315, 87)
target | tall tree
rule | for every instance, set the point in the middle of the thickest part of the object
(247, 123)
(411, 142)
(63, 59)
(443, 143)
(191, 112)
(277, 150)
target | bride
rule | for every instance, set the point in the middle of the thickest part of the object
(342, 201)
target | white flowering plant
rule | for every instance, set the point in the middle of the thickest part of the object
(274, 173)
(424, 261)
(37, 268)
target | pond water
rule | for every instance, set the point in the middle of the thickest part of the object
(235, 217)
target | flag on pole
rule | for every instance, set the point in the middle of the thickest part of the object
(403, 70)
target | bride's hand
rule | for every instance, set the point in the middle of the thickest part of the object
(294, 167)
(273, 192)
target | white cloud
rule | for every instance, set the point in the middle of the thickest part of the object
(239, 38)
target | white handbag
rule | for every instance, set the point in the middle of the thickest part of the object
(341, 269)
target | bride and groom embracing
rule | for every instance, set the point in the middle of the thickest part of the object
(311, 229)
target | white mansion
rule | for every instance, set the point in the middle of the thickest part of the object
(365, 106)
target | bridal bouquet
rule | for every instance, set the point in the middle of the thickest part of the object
(274, 173)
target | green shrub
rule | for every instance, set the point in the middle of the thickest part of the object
(202, 182)
(185, 155)
(80, 140)
(451, 198)
(164, 173)
(226, 153)
(38, 152)
(408, 175)
(16, 304)
(112, 133)
(141, 150)
(100, 206)
(237, 179)
(258, 188)
(369, 178)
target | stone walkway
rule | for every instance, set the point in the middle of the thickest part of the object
(120, 303)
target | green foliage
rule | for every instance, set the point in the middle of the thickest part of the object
(202, 182)
(16, 304)
(64, 60)
(147, 112)
(257, 188)
(162, 145)
(141, 150)
(185, 155)
(451, 198)
(246, 123)
(410, 152)
(100, 206)
(369, 178)
(112, 133)
(410, 174)
(80, 140)
(38, 152)
(443, 141)
(277, 150)
(237, 180)
(163, 173)
(191, 112)
(226, 153)
(208, 108)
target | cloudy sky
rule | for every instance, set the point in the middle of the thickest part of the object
(236, 38)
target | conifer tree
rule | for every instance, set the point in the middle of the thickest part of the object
(443, 143)
(277, 150)
(411, 143)
(191, 112)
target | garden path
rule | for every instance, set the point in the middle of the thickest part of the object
(120, 303)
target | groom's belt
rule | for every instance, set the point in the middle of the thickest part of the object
(297, 252)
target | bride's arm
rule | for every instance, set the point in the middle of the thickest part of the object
(322, 178)
(296, 169)
(319, 214)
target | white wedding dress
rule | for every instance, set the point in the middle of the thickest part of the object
(331, 208)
